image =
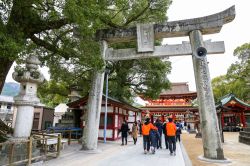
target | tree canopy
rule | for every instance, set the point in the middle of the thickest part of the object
(237, 79)
(45, 28)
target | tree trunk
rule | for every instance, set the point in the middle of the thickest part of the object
(5, 65)
(91, 129)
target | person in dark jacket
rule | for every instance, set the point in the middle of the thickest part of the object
(154, 136)
(158, 124)
(165, 133)
(140, 127)
(124, 130)
(178, 134)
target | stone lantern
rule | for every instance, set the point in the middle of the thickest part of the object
(29, 78)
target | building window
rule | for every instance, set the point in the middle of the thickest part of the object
(109, 120)
(9, 106)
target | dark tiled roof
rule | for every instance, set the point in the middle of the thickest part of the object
(177, 88)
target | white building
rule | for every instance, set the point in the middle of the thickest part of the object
(7, 108)
(59, 111)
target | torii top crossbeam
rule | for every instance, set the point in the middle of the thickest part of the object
(207, 25)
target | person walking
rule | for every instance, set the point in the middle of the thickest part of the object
(164, 130)
(135, 132)
(140, 126)
(185, 125)
(154, 136)
(124, 130)
(188, 128)
(146, 127)
(158, 124)
(171, 133)
(178, 134)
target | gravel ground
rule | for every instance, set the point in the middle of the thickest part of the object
(236, 152)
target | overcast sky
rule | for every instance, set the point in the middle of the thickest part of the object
(233, 34)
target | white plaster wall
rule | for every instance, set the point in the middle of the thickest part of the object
(24, 121)
(116, 120)
(109, 109)
(109, 133)
(138, 116)
(124, 112)
(131, 119)
(116, 133)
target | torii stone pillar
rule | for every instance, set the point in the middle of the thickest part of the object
(206, 25)
(29, 78)
(91, 129)
(209, 123)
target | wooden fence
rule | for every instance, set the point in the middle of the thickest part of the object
(36, 141)
(66, 133)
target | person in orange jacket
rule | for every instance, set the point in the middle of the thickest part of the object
(171, 133)
(146, 127)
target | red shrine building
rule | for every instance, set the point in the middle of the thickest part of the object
(233, 113)
(117, 112)
(176, 102)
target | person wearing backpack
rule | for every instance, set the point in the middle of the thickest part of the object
(146, 127)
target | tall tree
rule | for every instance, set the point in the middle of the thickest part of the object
(45, 27)
(146, 77)
(237, 79)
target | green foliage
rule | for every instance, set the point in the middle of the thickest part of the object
(146, 77)
(237, 79)
(46, 28)
(53, 93)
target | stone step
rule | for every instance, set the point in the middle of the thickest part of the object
(247, 129)
(245, 140)
(245, 134)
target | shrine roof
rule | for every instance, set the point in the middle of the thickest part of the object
(230, 99)
(177, 88)
(84, 100)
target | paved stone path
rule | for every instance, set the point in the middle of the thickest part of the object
(112, 154)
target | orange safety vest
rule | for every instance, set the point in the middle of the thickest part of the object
(171, 129)
(146, 128)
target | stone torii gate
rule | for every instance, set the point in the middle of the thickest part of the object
(145, 35)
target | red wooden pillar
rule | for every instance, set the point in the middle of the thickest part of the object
(222, 119)
(243, 119)
(113, 124)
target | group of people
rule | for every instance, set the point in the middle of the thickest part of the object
(152, 134)
(136, 129)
